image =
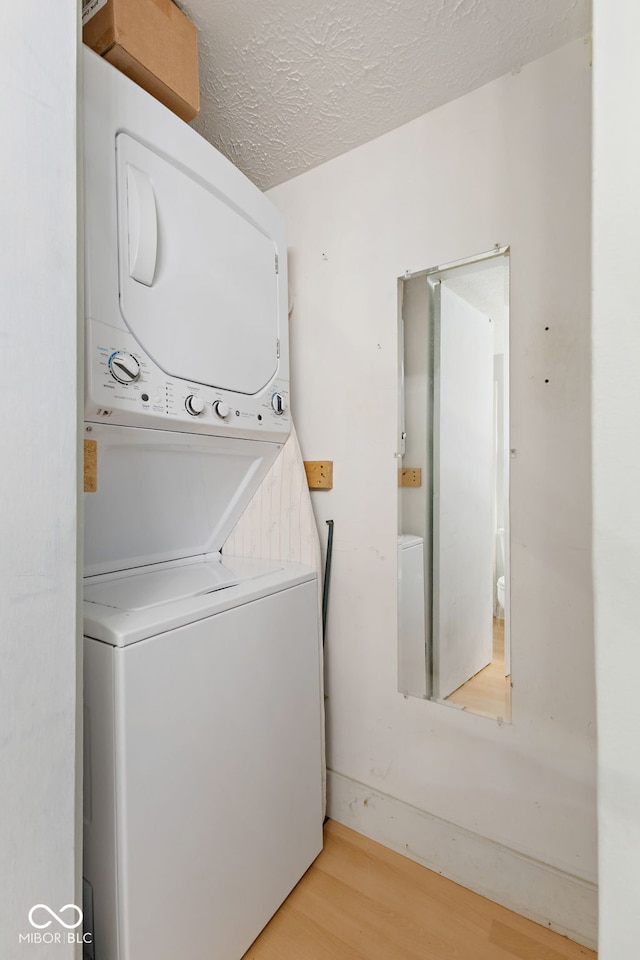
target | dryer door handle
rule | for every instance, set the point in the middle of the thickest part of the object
(143, 226)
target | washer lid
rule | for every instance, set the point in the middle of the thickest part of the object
(167, 584)
(198, 279)
(121, 609)
(141, 591)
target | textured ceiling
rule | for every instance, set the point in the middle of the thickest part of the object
(288, 84)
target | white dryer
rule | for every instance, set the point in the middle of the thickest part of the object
(203, 780)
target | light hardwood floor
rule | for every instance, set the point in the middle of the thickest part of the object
(489, 692)
(361, 901)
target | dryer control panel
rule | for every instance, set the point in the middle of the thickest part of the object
(124, 386)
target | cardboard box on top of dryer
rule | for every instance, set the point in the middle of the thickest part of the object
(153, 42)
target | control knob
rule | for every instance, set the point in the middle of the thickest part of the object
(279, 404)
(221, 409)
(124, 368)
(194, 405)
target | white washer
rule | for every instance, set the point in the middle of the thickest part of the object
(203, 779)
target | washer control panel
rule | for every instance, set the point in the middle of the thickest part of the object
(126, 387)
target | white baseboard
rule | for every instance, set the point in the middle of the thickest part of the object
(557, 900)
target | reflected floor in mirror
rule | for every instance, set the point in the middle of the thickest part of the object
(488, 694)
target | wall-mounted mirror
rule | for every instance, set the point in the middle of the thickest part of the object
(453, 485)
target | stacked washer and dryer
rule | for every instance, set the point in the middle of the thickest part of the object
(203, 779)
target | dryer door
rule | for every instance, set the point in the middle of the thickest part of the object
(198, 285)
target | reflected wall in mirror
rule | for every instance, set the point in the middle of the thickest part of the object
(454, 643)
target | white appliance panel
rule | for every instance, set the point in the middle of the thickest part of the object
(198, 280)
(164, 495)
(99, 853)
(216, 769)
(157, 400)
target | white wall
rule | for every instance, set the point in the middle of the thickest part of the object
(39, 843)
(616, 426)
(507, 164)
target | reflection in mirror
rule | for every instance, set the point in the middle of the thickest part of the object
(453, 503)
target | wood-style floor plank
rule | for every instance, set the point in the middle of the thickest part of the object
(362, 901)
